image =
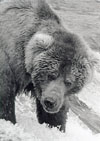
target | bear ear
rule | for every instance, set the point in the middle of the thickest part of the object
(94, 58)
(37, 44)
(43, 40)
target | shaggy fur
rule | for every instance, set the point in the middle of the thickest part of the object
(39, 54)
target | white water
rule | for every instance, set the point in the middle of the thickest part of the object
(28, 128)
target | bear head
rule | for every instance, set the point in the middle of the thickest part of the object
(59, 66)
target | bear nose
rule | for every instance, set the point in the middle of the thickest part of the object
(49, 103)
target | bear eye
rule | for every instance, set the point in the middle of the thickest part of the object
(68, 83)
(51, 77)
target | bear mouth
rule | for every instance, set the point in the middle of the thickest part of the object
(51, 109)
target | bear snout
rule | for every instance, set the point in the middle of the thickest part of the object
(51, 104)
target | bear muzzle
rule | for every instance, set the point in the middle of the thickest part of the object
(51, 104)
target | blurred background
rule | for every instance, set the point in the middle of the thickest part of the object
(82, 17)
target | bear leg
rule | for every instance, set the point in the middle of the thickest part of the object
(7, 109)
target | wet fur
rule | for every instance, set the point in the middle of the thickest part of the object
(20, 20)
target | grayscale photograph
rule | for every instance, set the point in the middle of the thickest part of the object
(49, 70)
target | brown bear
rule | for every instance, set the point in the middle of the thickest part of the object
(37, 53)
